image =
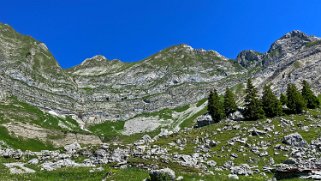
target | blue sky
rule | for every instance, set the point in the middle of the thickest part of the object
(133, 30)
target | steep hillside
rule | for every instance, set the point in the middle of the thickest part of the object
(101, 89)
(173, 77)
(98, 89)
(29, 71)
(291, 59)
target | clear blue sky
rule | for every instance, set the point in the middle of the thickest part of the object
(132, 30)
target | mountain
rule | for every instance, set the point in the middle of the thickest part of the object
(100, 89)
(291, 59)
(173, 77)
(138, 116)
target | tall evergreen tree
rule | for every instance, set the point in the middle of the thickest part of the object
(295, 101)
(283, 99)
(229, 102)
(271, 104)
(312, 101)
(210, 103)
(253, 106)
(215, 107)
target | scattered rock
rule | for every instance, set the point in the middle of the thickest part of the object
(294, 139)
(18, 168)
(257, 132)
(243, 169)
(204, 120)
(33, 161)
(236, 116)
(211, 163)
(233, 177)
(72, 148)
(162, 174)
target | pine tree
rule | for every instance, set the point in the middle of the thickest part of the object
(283, 99)
(229, 102)
(215, 107)
(295, 101)
(253, 106)
(312, 101)
(271, 104)
(210, 107)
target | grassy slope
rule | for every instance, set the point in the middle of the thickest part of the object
(110, 129)
(222, 155)
(15, 111)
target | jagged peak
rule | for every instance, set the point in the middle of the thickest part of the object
(295, 33)
(290, 42)
(249, 58)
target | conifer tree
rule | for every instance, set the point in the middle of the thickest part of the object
(308, 95)
(295, 101)
(283, 99)
(210, 103)
(215, 107)
(253, 106)
(229, 102)
(271, 104)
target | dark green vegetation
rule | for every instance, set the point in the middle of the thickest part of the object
(215, 107)
(220, 107)
(253, 106)
(312, 101)
(283, 99)
(295, 101)
(229, 102)
(271, 104)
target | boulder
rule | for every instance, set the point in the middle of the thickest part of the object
(204, 120)
(211, 163)
(72, 148)
(257, 132)
(243, 169)
(294, 139)
(162, 175)
(147, 138)
(236, 116)
(33, 161)
(233, 177)
(187, 160)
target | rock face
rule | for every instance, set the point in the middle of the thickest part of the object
(291, 59)
(100, 89)
(249, 58)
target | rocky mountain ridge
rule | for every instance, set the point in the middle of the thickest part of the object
(101, 89)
